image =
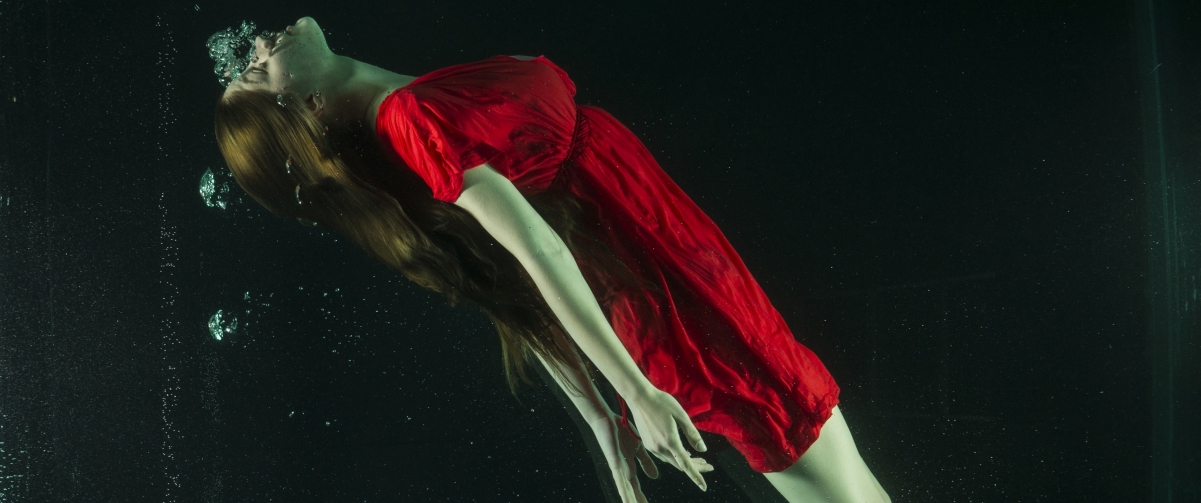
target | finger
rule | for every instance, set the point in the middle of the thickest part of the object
(629, 482)
(676, 451)
(648, 464)
(690, 432)
(702, 465)
(636, 486)
(694, 437)
(624, 490)
(691, 470)
(627, 494)
(632, 493)
(666, 457)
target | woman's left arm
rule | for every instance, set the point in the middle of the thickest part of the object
(507, 216)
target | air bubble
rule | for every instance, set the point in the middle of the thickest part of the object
(288, 165)
(220, 326)
(224, 48)
(214, 188)
(279, 98)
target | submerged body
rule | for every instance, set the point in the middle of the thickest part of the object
(703, 347)
(708, 335)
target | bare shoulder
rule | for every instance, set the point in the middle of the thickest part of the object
(483, 185)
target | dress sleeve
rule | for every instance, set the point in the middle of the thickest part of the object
(421, 127)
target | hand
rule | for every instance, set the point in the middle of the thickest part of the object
(621, 447)
(659, 417)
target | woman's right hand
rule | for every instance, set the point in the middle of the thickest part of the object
(624, 451)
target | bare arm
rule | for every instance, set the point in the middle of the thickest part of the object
(507, 216)
(590, 404)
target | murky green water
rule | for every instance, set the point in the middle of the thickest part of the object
(982, 219)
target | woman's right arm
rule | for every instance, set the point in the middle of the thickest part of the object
(507, 216)
(512, 221)
(588, 399)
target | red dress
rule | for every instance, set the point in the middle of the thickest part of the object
(712, 340)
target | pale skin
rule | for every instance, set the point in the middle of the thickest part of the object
(340, 90)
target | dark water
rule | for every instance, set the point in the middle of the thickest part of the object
(983, 219)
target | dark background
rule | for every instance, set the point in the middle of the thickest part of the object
(948, 201)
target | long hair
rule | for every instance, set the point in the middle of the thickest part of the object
(288, 161)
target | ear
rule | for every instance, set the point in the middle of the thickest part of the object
(315, 103)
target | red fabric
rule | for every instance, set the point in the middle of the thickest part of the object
(712, 340)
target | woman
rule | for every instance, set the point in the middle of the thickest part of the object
(486, 181)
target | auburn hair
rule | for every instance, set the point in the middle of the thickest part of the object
(295, 167)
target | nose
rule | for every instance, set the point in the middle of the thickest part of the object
(266, 42)
(260, 45)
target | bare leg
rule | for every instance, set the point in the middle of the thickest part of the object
(830, 471)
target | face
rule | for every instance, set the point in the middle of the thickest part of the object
(292, 60)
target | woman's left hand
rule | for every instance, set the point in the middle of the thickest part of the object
(659, 418)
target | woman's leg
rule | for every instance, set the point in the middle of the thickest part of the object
(830, 471)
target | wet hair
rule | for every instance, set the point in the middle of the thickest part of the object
(341, 179)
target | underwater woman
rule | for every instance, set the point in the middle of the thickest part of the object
(485, 182)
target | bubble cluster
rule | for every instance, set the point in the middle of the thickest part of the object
(214, 188)
(232, 50)
(221, 325)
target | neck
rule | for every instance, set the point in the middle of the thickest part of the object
(356, 95)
